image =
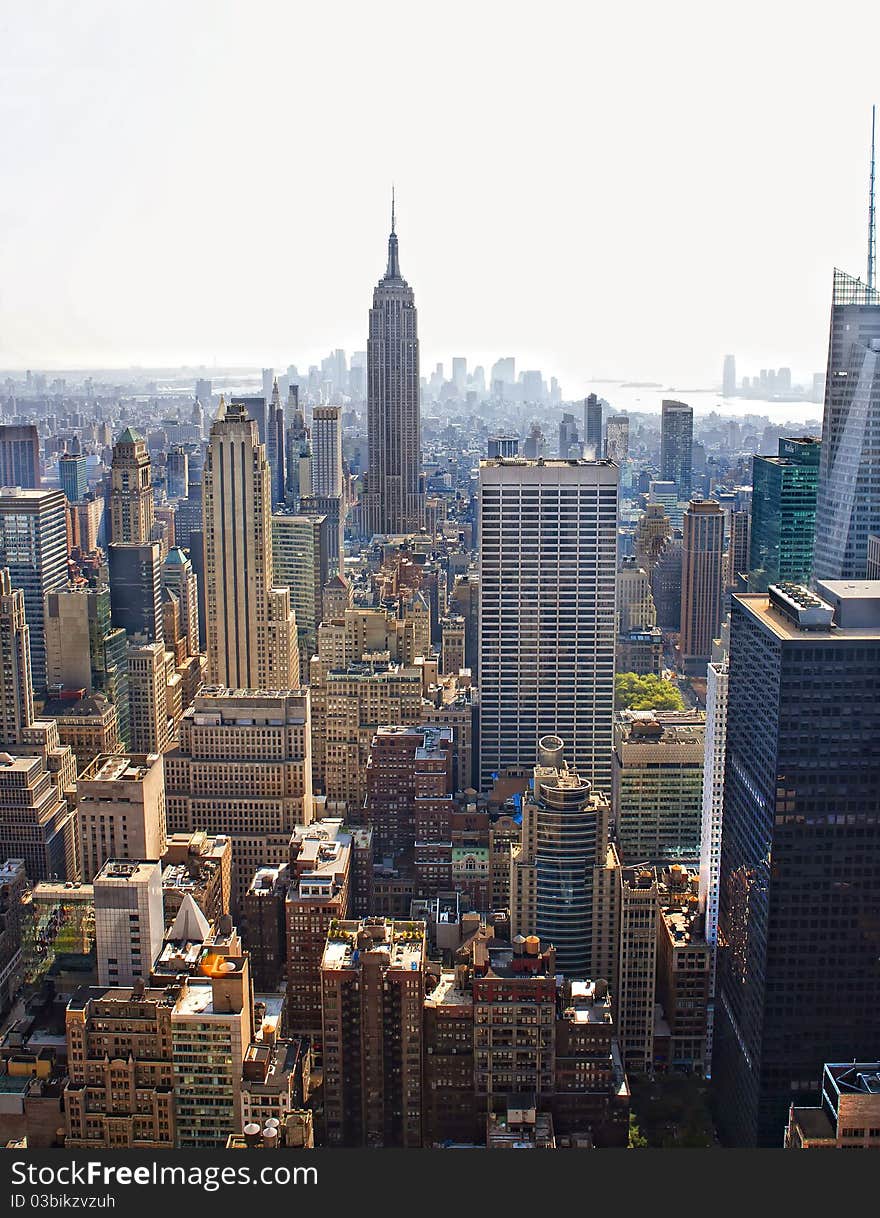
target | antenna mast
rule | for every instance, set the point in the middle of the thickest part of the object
(872, 235)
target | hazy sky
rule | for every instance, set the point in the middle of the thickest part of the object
(601, 190)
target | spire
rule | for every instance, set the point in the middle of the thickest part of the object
(276, 394)
(393, 270)
(872, 235)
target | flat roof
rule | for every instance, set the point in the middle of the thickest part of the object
(758, 605)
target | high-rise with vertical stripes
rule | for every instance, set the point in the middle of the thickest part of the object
(548, 537)
(251, 628)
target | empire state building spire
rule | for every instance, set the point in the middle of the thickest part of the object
(393, 503)
(393, 269)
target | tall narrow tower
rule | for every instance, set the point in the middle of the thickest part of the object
(872, 232)
(16, 689)
(393, 501)
(251, 628)
(131, 490)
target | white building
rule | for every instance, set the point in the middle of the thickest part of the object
(713, 802)
(548, 565)
(129, 920)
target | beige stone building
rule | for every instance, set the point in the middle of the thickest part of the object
(120, 811)
(250, 625)
(242, 767)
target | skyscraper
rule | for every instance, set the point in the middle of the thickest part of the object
(592, 427)
(728, 379)
(713, 807)
(676, 442)
(129, 919)
(784, 514)
(72, 476)
(327, 450)
(275, 445)
(394, 502)
(702, 584)
(617, 438)
(19, 456)
(848, 495)
(16, 690)
(800, 843)
(131, 490)
(548, 562)
(136, 589)
(178, 576)
(33, 545)
(564, 838)
(251, 628)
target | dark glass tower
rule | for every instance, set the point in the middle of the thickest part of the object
(592, 428)
(848, 501)
(394, 502)
(784, 514)
(799, 910)
(676, 446)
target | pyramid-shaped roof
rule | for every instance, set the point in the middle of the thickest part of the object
(190, 925)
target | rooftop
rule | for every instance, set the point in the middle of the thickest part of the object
(784, 626)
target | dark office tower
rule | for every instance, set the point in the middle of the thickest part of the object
(177, 473)
(16, 690)
(393, 501)
(72, 476)
(728, 379)
(784, 514)
(33, 545)
(666, 583)
(676, 443)
(19, 456)
(592, 427)
(702, 583)
(848, 496)
(799, 912)
(275, 445)
(136, 590)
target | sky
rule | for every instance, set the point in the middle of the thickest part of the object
(618, 191)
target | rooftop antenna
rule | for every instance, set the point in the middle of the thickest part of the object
(872, 235)
(872, 186)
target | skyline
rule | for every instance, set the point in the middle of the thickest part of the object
(259, 236)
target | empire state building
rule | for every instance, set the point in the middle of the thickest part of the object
(394, 503)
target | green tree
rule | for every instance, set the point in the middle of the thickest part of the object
(649, 692)
(636, 1140)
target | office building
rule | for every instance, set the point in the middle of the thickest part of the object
(136, 589)
(564, 834)
(657, 784)
(242, 767)
(617, 438)
(275, 445)
(569, 440)
(84, 650)
(131, 491)
(72, 476)
(88, 725)
(372, 991)
(327, 450)
(592, 427)
(738, 548)
(393, 502)
(502, 446)
(120, 810)
(702, 583)
(713, 807)
(178, 577)
(800, 842)
(874, 556)
(784, 491)
(676, 442)
(197, 865)
(653, 529)
(212, 1025)
(301, 563)
(16, 686)
(177, 473)
(684, 972)
(129, 921)
(149, 726)
(33, 545)
(19, 456)
(548, 565)
(728, 378)
(251, 628)
(635, 602)
(848, 494)
(36, 823)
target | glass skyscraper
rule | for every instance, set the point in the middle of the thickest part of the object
(676, 446)
(784, 514)
(848, 500)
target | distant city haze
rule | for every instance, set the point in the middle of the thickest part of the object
(627, 194)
